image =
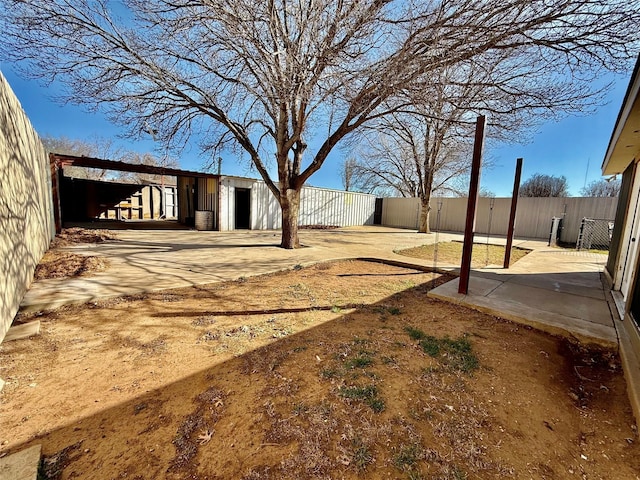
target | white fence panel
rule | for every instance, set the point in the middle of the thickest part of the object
(533, 216)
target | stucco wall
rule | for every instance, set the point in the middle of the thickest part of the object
(26, 212)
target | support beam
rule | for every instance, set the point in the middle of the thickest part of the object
(512, 214)
(472, 202)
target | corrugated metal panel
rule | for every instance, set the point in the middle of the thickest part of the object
(533, 218)
(207, 194)
(578, 208)
(318, 206)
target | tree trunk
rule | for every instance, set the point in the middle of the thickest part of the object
(290, 205)
(423, 226)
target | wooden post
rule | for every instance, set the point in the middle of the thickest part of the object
(56, 180)
(512, 214)
(472, 202)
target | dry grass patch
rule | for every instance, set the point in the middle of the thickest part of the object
(451, 253)
(59, 263)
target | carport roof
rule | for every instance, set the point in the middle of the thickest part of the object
(89, 162)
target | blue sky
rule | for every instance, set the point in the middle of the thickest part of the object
(573, 147)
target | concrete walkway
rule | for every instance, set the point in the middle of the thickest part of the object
(556, 290)
(551, 289)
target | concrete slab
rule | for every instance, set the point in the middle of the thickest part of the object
(144, 261)
(563, 283)
(528, 314)
(561, 303)
(21, 465)
(24, 330)
(551, 289)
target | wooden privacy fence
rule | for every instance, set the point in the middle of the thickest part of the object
(533, 218)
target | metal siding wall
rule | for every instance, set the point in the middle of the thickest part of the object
(533, 218)
(207, 194)
(401, 212)
(318, 206)
(26, 204)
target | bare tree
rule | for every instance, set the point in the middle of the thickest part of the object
(602, 188)
(99, 147)
(539, 185)
(347, 173)
(274, 77)
(96, 147)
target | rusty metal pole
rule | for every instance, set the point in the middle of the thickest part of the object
(512, 214)
(472, 202)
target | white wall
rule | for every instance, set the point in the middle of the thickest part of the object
(26, 205)
(318, 206)
(533, 217)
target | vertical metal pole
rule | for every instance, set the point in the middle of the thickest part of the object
(56, 180)
(492, 202)
(435, 246)
(512, 214)
(472, 202)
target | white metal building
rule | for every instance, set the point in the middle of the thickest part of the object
(247, 203)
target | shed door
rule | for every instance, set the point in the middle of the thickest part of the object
(243, 208)
(377, 214)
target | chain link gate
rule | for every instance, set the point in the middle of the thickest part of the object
(595, 234)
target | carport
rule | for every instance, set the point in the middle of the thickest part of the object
(196, 191)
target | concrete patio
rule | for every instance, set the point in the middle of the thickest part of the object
(556, 290)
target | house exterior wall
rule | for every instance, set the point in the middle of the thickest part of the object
(26, 205)
(623, 269)
(318, 206)
(533, 218)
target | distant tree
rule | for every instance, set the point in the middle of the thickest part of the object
(347, 173)
(602, 188)
(96, 147)
(539, 185)
(486, 193)
(99, 147)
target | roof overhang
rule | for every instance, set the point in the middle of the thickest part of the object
(89, 162)
(624, 146)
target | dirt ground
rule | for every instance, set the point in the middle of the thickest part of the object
(58, 263)
(341, 370)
